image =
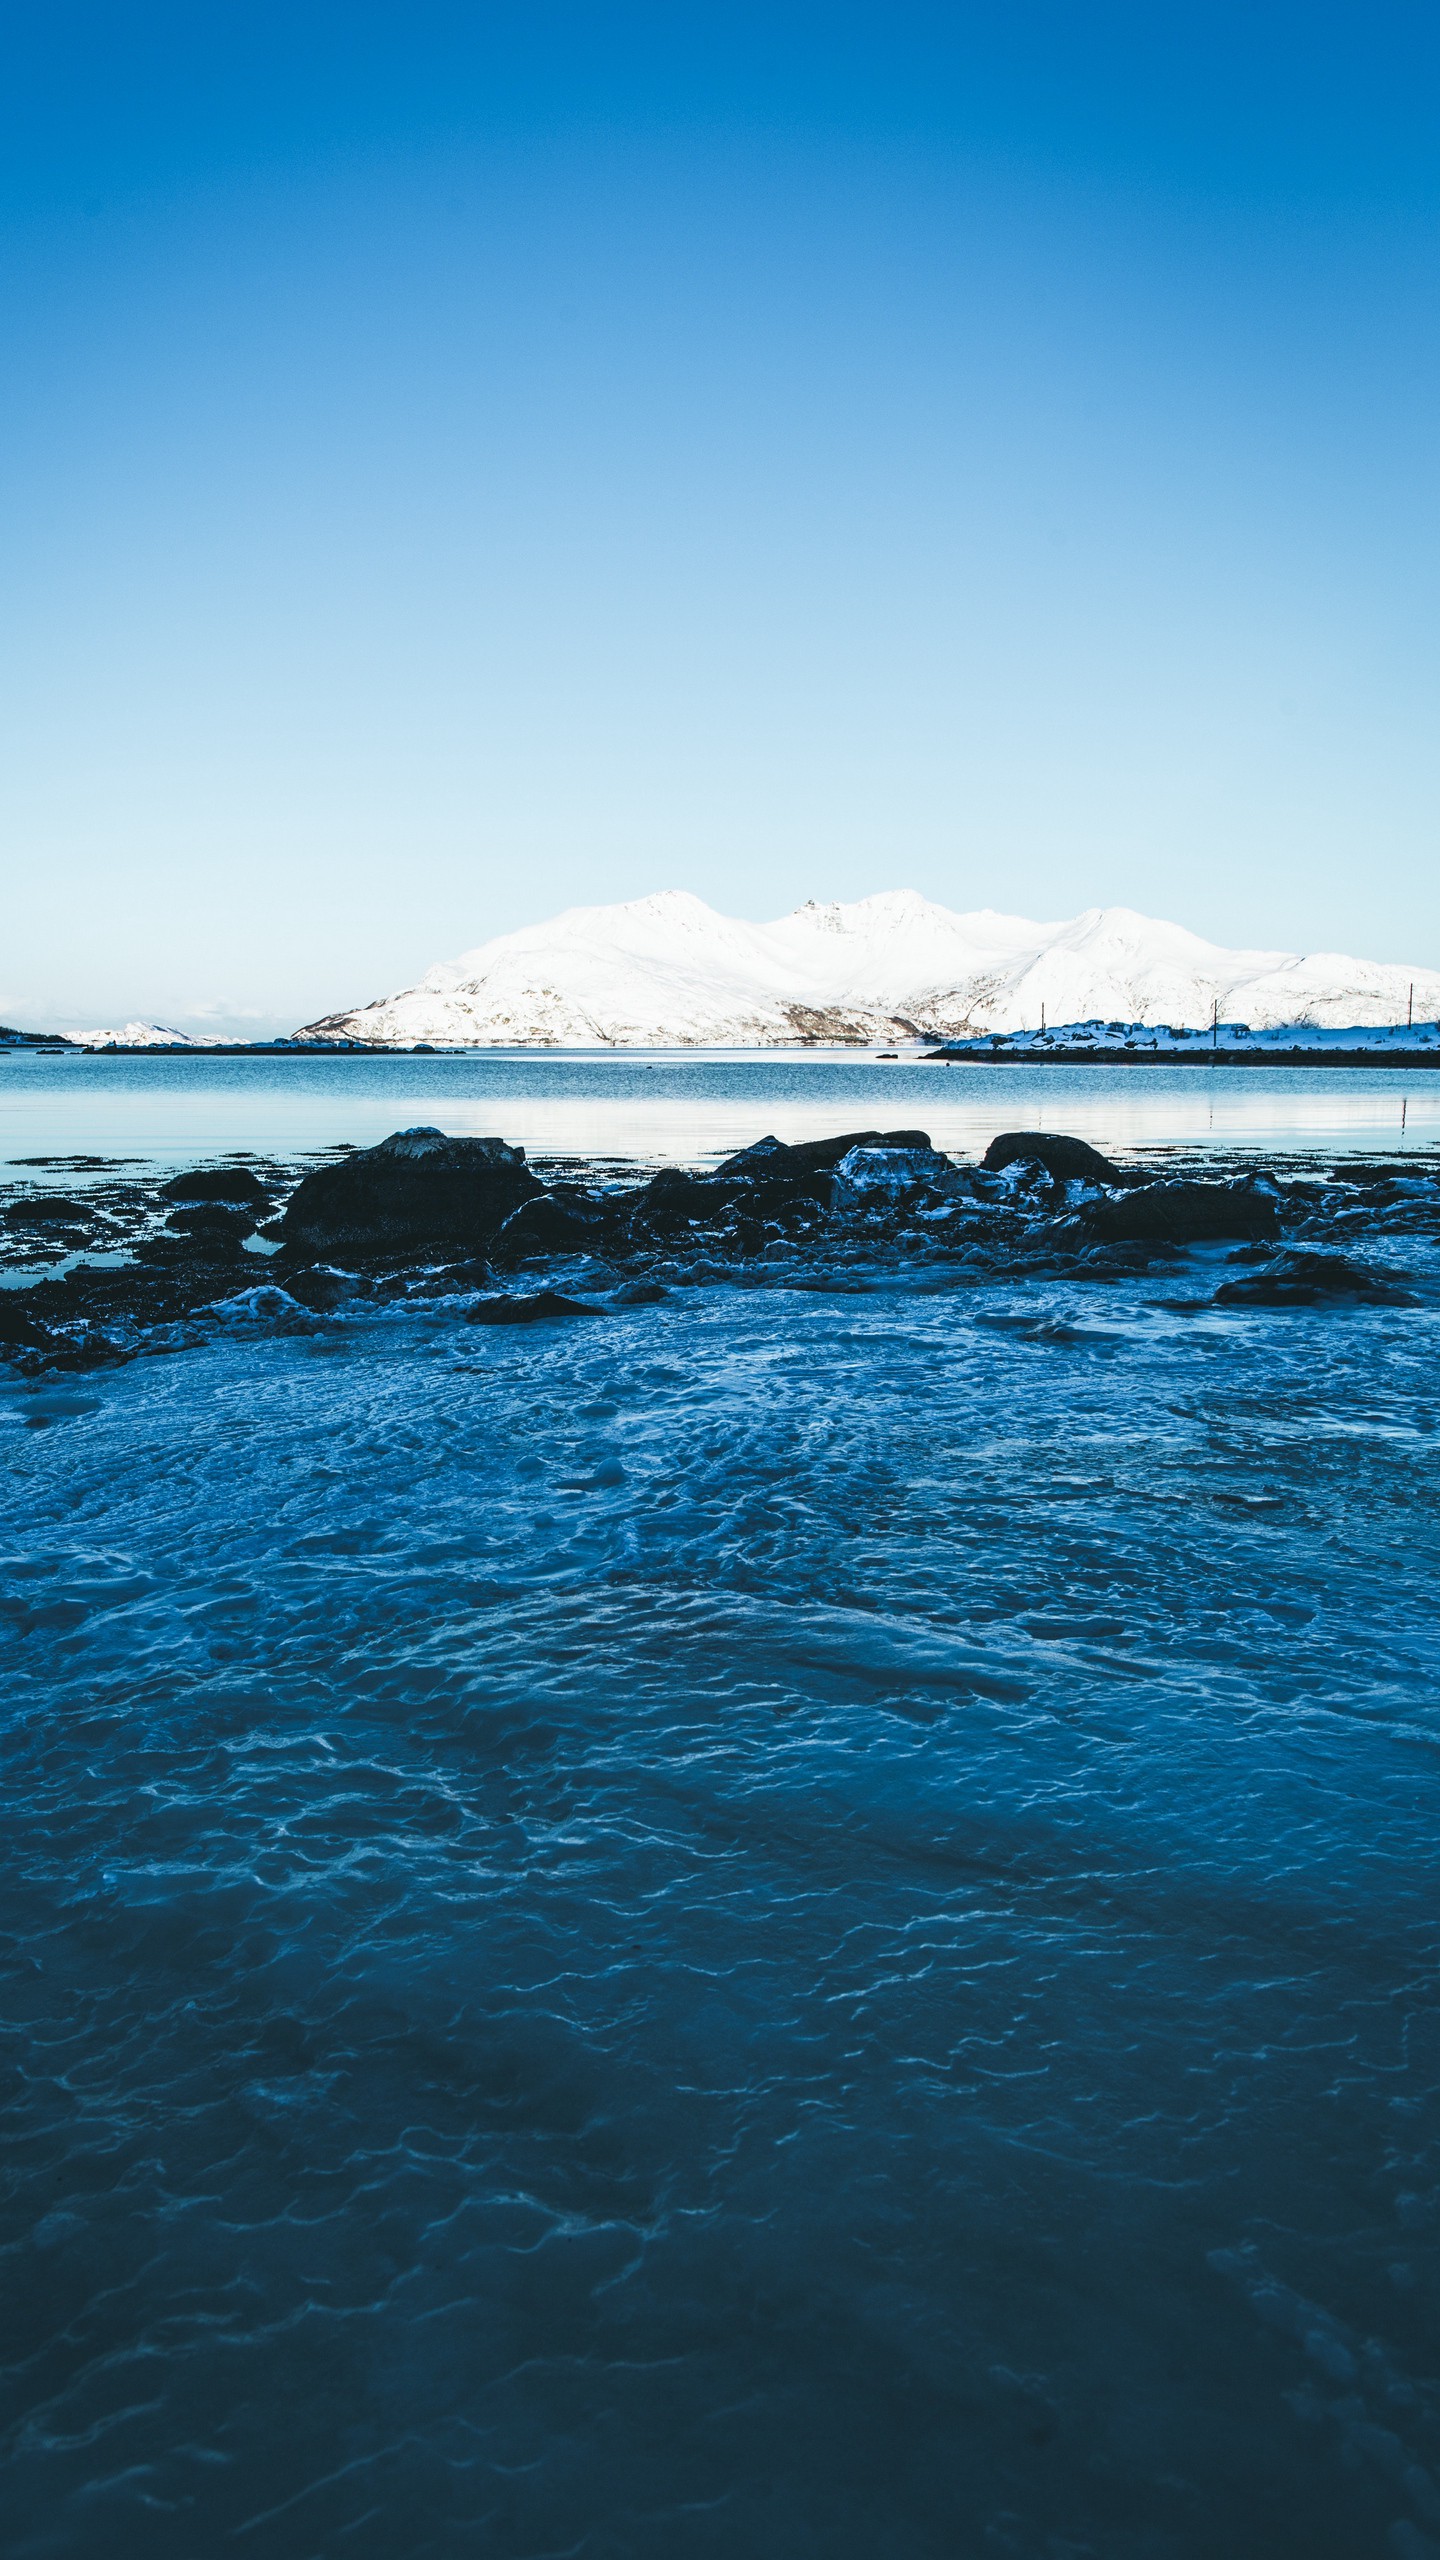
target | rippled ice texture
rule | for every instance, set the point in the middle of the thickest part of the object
(788, 1924)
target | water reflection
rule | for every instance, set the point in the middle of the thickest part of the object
(682, 1107)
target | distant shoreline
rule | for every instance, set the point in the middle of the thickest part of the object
(1233, 1057)
(990, 1053)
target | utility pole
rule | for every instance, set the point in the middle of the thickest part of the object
(1410, 1008)
(1215, 1024)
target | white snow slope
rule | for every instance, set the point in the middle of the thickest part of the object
(667, 971)
(139, 1035)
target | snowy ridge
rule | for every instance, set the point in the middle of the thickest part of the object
(668, 971)
(139, 1035)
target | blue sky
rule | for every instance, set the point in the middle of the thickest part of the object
(460, 461)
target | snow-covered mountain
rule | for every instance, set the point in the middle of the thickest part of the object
(667, 971)
(138, 1035)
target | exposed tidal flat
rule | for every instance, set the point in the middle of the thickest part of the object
(793, 1916)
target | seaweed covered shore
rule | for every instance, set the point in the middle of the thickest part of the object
(120, 1265)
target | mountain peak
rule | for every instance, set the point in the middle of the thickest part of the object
(666, 970)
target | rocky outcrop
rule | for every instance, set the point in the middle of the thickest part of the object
(229, 1185)
(1184, 1213)
(894, 1182)
(214, 1240)
(772, 1191)
(417, 1190)
(45, 1210)
(1315, 1280)
(1065, 1159)
(212, 1221)
(770, 1159)
(562, 1220)
(547, 1307)
(425, 1217)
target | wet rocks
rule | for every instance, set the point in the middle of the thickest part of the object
(1183, 1213)
(19, 1329)
(889, 1181)
(426, 1216)
(230, 1185)
(45, 1210)
(1139, 1211)
(32, 1346)
(1312, 1280)
(771, 1160)
(95, 1314)
(321, 1287)
(676, 1205)
(212, 1220)
(219, 1243)
(547, 1307)
(417, 1189)
(263, 1309)
(772, 1192)
(1064, 1159)
(549, 1224)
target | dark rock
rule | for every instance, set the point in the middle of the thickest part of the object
(544, 1308)
(85, 1348)
(1122, 1260)
(321, 1287)
(416, 1189)
(19, 1330)
(265, 1308)
(229, 1183)
(545, 1225)
(740, 1214)
(211, 1218)
(163, 1285)
(1184, 1212)
(896, 1182)
(767, 1192)
(46, 1210)
(676, 1204)
(640, 1293)
(1066, 1159)
(1314, 1279)
(771, 1160)
(205, 1244)
(31, 1345)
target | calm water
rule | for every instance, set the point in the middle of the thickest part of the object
(794, 1923)
(680, 1109)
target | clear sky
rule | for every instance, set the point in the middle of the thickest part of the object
(458, 461)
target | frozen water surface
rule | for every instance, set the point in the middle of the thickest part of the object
(800, 1922)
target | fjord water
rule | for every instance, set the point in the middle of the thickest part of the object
(798, 1921)
(675, 1107)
